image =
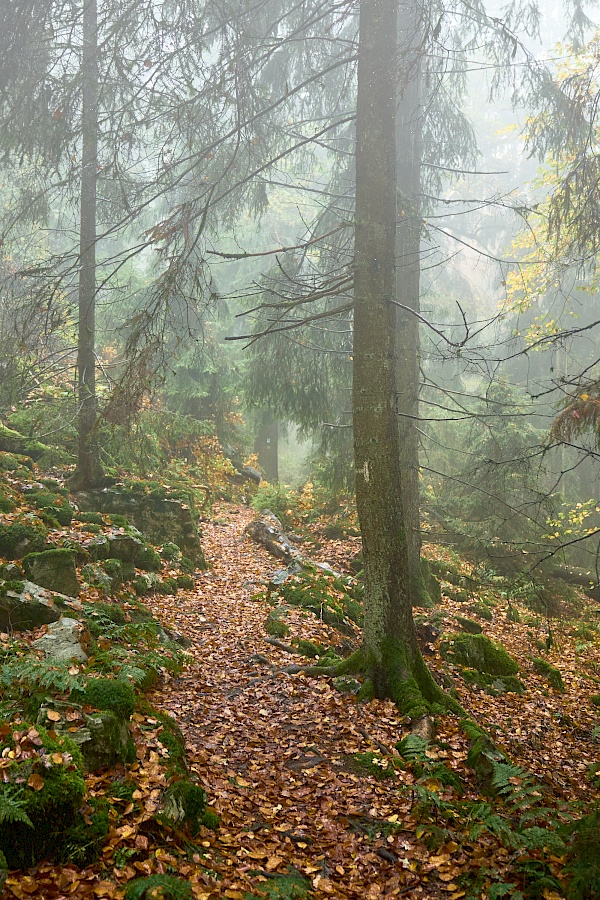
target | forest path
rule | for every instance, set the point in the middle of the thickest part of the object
(272, 749)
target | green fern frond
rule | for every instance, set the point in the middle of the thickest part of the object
(413, 748)
(12, 807)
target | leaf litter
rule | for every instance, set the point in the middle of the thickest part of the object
(276, 753)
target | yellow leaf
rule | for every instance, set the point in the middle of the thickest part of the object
(273, 862)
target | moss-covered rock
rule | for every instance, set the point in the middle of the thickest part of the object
(85, 838)
(25, 606)
(494, 684)
(102, 737)
(96, 577)
(185, 583)
(12, 462)
(468, 625)
(274, 625)
(109, 693)
(20, 538)
(53, 569)
(170, 551)
(51, 499)
(549, 672)
(42, 789)
(148, 559)
(184, 804)
(476, 651)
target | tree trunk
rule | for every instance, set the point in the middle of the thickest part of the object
(266, 446)
(390, 652)
(89, 469)
(408, 270)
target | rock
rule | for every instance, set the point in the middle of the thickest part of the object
(160, 520)
(62, 641)
(97, 577)
(102, 737)
(476, 651)
(27, 606)
(11, 572)
(267, 532)
(280, 576)
(125, 547)
(53, 569)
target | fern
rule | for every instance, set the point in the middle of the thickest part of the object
(12, 807)
(413, 748)
(159, 887)
(29, 674)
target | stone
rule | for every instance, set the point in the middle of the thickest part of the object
(53, 569)
(32, 606)
(160, 520)
(267, 532)
(103, 737)
(62, 641)
(125, 547)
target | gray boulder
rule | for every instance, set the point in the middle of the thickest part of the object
(267, 531)
(62, 641)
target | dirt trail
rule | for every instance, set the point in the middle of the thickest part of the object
(272, 748)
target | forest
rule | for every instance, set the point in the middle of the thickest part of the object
(299, 446)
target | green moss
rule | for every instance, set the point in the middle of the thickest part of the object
(51, 500)
(476, 651)
(329, 597)
(481, 610)
(186, 565)
(185, 583)
(167, 586)
(50, 811)
(273, 624)
(99, 615)
(148, 559)
(309, 649)
(15, 585)
(170, 552)
(494, 684)
(595, 699)
(12, 462)
(184, 804)
(468, 625)
(172, 739)
(19, 538)
(114, 569)
(120, 521)
(85, 838)
(108, 693)
(374, 764)
(93, 518)
(549, 672)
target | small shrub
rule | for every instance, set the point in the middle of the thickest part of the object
(280, 500)
(185, 583)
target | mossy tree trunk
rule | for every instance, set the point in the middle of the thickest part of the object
(390, 653)
(89, 469)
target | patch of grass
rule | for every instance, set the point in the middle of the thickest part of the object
(374, 764)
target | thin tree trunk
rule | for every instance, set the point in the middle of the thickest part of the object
(89, 470)
(408, 268)
(266, 446)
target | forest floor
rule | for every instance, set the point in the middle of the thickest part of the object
(313, 799)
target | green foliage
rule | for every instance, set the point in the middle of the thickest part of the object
(184, 804)
(107, 693)
(159, 887)
(549, 672)
(273, 624)
(85, 838)
(309, 649)
(53, 502)
(20, 538)
(330, 597)
(148, 559)
(584, 858)
(172, 739)
(279, 499)
(185, 583)
(92, 518)
(170, 552)
(12, 807)
(186, 565)
(476, 651)
(283, 887)
(27, 679)
(40, 817)
(380, 767)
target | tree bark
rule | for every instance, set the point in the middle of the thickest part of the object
(89, 469)
(408, 270)
(390, 653)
